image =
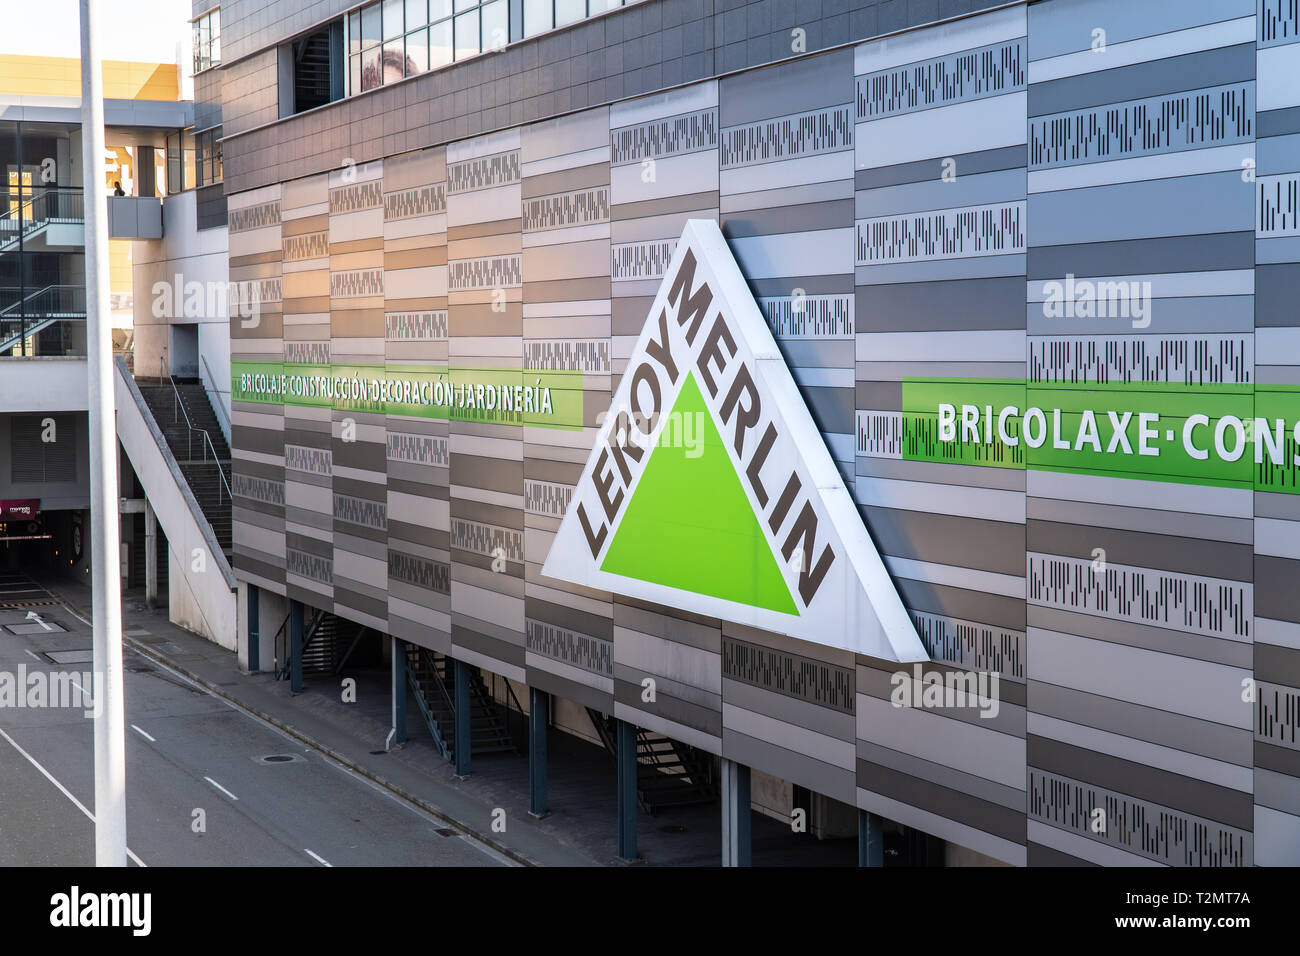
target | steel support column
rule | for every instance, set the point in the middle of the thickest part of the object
(539, 703)
(253, 596)
(871, 842)
(399, 690)
(295, 646)
(626, 758)
(463, 719)
(736, 820)
(150, 556)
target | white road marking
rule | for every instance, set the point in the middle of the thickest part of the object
(318, 858)
(221, 788)
(143, 734)
(423, 814)
(62, 789)
(35, 657)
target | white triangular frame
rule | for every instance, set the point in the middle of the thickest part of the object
(856, 607)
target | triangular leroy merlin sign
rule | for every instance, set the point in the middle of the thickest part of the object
(709, 487)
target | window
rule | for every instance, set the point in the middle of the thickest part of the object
(312, 68)
(389, 40)
(180, 161)
(207, 41)
(543, 15)
(207, 157)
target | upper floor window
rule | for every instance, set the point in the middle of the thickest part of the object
(543, 15)
(180, 161)
(207, 41)
(390, 40)
(207, 157)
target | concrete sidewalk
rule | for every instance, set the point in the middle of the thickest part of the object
(350, 734)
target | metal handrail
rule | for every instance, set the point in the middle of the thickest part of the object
(189, 438)
(221, 410)
(78, 307)
(70, 206)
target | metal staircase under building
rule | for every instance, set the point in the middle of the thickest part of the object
(327, 644)
(432, 681)
(187, 420)
(668, 773)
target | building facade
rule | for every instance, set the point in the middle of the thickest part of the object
(44, 422)
(1085, 208)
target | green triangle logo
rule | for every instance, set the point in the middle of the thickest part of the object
(689, 524)
(736, 511)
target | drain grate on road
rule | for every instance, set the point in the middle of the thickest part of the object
(279, 758)
(86, 656)
(32, 627)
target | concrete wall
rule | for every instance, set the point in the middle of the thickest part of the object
(43, 385)
(163, 272)
(918, 191)
(201, 592)
(71, 427)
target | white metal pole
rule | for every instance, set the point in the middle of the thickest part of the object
(110, 724)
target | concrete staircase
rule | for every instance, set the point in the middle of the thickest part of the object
(201, 596)
(203, 472)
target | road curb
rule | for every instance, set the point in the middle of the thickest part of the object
(146, 651)
(157, 657)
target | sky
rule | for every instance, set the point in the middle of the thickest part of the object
(142, 30)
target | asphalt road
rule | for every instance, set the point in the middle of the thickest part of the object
(191, 757)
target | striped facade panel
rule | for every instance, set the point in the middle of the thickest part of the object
(1277, 519)
(1136, 157)
(939, 242)
(566, 221)
(416, 449)
(786, 205)
(261, 503)
(485, 325)
(357, 520)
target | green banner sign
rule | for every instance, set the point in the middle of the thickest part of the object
(533, 397)
(1235, 436)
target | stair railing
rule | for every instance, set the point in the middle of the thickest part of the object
(207, 445)
(511, 705)
(413, 669)
(309, 634)
(282, 631)
(221, 409)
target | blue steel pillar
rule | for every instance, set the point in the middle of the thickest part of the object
(295, 647)
(736, 821)
(871, 842)
(461, 703)
(539, 703)
(399, 690)
(626, 758)
(252, 595)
